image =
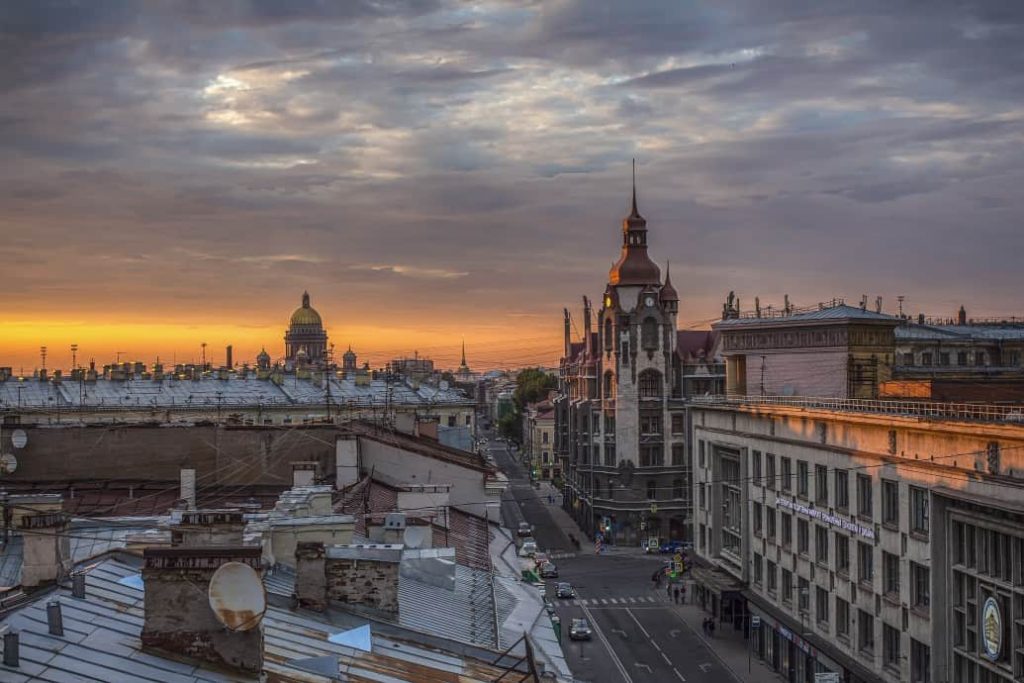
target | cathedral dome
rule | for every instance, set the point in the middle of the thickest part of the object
(306, 314)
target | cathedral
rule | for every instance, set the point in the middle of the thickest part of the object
(305, 342)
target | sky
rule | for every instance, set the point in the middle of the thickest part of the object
(434, 171)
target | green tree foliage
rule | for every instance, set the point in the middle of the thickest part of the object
(510, 426)
(532, 385)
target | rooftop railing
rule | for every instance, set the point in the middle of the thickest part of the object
(975, 412)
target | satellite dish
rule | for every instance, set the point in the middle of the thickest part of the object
(8, 463)
(415, 536)
(237, 596)
(19, 438)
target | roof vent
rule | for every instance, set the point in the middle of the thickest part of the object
(11, 654)
(54, 618)
(78, 585)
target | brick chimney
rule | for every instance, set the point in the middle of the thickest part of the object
(178, 617)
(47, 551)
(208, 527)
(364, 575)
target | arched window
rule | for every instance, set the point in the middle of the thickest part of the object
(608, 340)
(609, 384)
(649, 333)
(650, 384)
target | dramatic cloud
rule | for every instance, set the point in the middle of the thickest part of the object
(437, 169)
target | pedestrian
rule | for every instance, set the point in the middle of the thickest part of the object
(677, 595)
(668, 590)
(682, 594)
(704, 625)
(711, 627)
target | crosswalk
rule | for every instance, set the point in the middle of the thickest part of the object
(560, 556)
(615, 602)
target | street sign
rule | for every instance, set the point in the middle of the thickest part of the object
(828, 677)
(755, 622)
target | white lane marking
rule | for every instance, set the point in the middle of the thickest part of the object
(667, 660)
(676, 671)
(641, 665)
(655, 646)
(615, 601)
(607, 645)
(650, 599)
(632, 601)
(641, 626)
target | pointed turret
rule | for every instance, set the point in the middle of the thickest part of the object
(668, 292)
(634, 266)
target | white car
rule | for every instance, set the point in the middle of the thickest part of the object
(528, 549)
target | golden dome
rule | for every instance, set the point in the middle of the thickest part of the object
(306, 314)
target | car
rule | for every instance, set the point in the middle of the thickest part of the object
(525, 529)
(540, 558)
(528, 549)
(549, 571)
(564, 590)
(670, 547)
(579, 629)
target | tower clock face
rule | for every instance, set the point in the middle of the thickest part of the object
(649, 301)
(607, 301)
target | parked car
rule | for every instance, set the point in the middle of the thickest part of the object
(565, 590)
(525, 529)
(671, 547)
(549, 571)
(529, 548)
(579, 630)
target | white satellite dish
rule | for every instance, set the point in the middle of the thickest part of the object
(237, 596)
(19, 438)
(415, 536)
(8, 463)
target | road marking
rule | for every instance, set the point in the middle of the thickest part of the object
(650, 599)
(676, 672)
(621, 633)
(607, 645)
(707, 645)
(615, 601)
(656, 647)
(632, 601)
(641, 665)
(674, 633)
(667, 660)
(642, 629)
(705, 667)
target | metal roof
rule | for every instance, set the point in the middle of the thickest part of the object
(839, 312)
(966, 333)
(211, 392)
(101, 642)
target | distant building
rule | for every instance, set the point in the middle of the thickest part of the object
(305, 342)
(540, 441)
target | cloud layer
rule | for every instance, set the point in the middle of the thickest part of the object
(459, 168)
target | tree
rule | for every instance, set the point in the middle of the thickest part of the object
(532, 385)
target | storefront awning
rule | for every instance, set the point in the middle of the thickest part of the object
(717, 582)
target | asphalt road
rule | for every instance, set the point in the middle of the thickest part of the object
(638, 637)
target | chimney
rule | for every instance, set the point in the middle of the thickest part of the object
(200, 528)
(365, 575)
(961, 316)
(78, 585)
(178, 616)
(11, 649)
(188, 487)
(47, 549)
(304, 473)
(229, 360)
(54, 618)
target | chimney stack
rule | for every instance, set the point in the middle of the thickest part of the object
(11, 649)
(304, 473)
(54, 618)
(229, 362)
(178, 616)
(78, 585)
(365, 574)
(200, 528)
(961, 316)
(47, 549)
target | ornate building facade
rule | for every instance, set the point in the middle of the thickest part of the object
(621, 416)
(306, 339)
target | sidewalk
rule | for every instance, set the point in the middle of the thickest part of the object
(728, 645)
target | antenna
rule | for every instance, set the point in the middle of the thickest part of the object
(237, 596)
(900, 298)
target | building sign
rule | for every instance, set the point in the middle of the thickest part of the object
(992, 628)
(823, 516)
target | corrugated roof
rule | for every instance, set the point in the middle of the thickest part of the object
(839, 312)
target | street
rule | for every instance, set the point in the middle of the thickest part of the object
(638, 634)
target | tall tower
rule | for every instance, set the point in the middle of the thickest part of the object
(306, 334)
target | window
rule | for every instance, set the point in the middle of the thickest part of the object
(757, 570)
(891, 574)
(650, 423)
(609, 384)
(787, 474)
(703, 496)
(755, 466)
(918, 510)
(908, 359)
(772, 579)
(802, 477)
(842, 618)
(803, 595)
(821, 605)
(864, 496)
(961, 358)
(787, 529)
(787, 586)
(451, 420)
(608, 336)
(821, 544)
(944, 359)
(757, 519)
(469, 420)
(678, 423)
(543, 436)
(865, 562)
(842, 553)
(770, 518)
(803, 537)
(842, 489)
(920, 662)
(890, 647)
(700, 452)
(679, 454)
(890, 503)
(769, 470)
(649, 333)
(652, 455)
(865, 631)
(979, 358)
(926, 358)
(677, 488)
(652, 490)
(649, 384)
(703, 537)
(920, 590)
(821, 485)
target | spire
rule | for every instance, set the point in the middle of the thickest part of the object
(305, 299)
(463, 353)
(668, 292)
(635, 212)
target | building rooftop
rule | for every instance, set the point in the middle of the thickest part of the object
(837, 312)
